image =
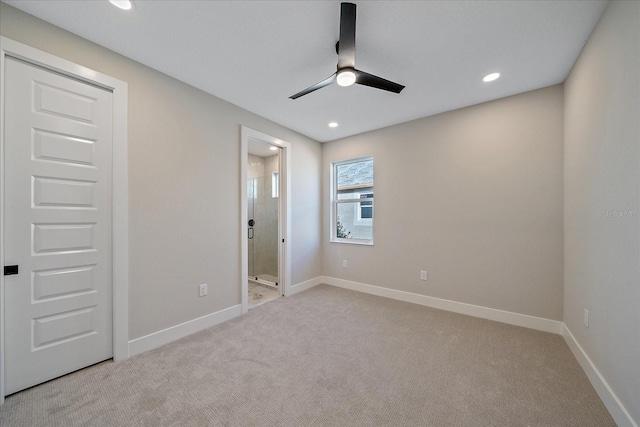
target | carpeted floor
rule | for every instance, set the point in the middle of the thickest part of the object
(329, 357)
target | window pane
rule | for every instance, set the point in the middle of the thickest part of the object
(353, 200)
(347, 225)
(355, 174)
(355, 193)
(274, 185)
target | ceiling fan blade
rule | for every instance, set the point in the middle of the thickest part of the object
(347, 43)
(315, 87)
(367, 79)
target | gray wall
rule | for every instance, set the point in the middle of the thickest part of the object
(602, 176)
(473, 196)
(184, 184)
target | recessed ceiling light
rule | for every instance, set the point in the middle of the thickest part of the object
(273, 148)
(333, 125)
(490, 77)
(122, 4)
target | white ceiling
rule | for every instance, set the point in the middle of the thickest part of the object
(255, 54)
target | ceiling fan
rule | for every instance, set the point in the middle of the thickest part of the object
(347, 74)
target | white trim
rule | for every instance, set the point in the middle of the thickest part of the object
(173, 333)
(307, 284)
(531, 322)
(120, 188)
(617, 410)
(615, 407)
(334, 202)
(120, 223)
(2, 74)
(244, 234)
(352, 241)
(284, 211)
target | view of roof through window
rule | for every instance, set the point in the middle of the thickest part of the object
(355, 174)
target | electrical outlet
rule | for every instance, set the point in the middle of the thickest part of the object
(203, 289)
(423, 275)
(586, 318)
(345, 263)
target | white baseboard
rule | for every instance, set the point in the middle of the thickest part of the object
(617, 410)
(303, 286)
(165, 336)
(531, 322)
(611, 401)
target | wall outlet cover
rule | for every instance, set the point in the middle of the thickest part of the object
(423, 275)
(203, 290)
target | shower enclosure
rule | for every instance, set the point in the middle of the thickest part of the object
(262, 195)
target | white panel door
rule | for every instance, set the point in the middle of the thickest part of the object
(58, 308)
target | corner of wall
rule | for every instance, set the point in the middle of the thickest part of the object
(615, 407)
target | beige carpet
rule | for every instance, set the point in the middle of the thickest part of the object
(329, 357)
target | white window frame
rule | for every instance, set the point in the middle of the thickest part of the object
(333, 238)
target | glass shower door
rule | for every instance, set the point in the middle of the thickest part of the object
(262, 231)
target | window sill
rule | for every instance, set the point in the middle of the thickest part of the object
(352, 241)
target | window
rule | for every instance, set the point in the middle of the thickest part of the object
(274, 185)
(352, 202)
(365, 208)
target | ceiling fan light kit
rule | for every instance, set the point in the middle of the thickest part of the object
(346, 77)
(347, 74)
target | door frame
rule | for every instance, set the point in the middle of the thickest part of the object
(119, 188)
(284, 212)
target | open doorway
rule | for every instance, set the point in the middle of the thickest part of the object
(263, 188)
(264, 218)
